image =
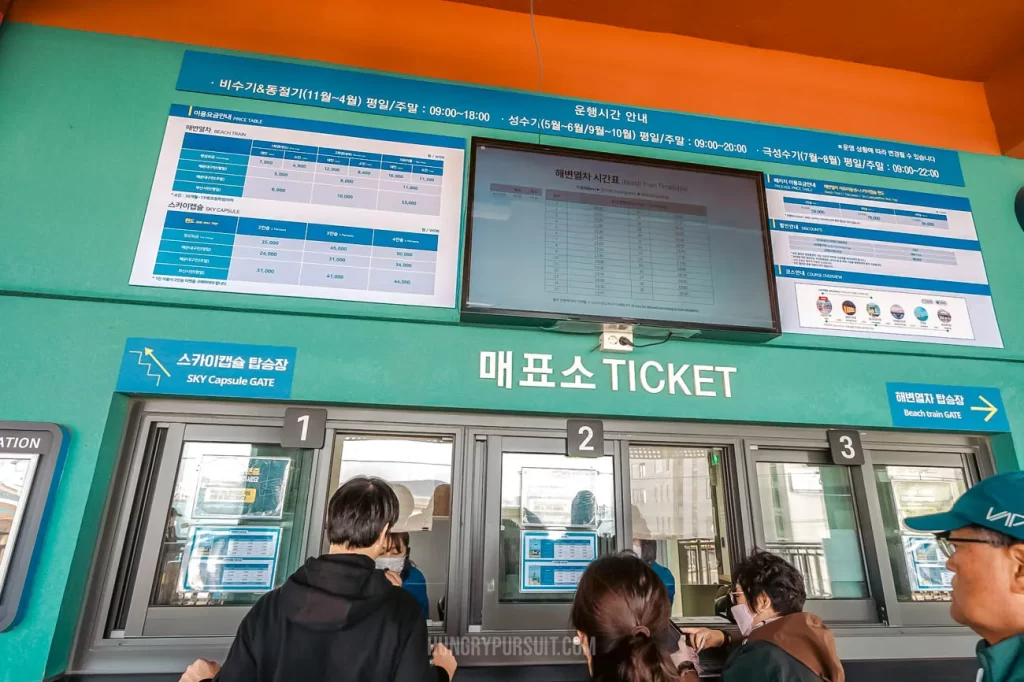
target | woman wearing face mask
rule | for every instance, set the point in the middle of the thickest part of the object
(402, 572)
(778, 641)
(621, 615)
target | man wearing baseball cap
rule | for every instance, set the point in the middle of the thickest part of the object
(983, 536)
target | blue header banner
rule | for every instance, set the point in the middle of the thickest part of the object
(374, 93)
(209, 369)
(290, 123)
(892, 196)
(875, 235)
(947, 408)
(891, 281)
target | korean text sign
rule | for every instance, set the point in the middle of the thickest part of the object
(375, 93)
(508, 370)
(204, 368)
(948, 408)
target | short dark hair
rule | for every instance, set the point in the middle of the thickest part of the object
(766, 573)
(648, 551)
(359, 510)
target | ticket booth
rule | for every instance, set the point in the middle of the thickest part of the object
(208, 511)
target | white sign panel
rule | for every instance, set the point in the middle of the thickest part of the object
(879, 263)
(559, 497)
(256, 204)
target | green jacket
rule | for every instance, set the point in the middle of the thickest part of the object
(1003, 662)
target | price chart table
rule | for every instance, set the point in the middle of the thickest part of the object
(632, 249)
(279, 171)
(270, 205)
(304, 254)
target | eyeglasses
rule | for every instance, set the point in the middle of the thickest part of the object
(948, 544)
(734, 597)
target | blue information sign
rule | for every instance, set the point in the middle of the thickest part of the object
(376, 93)
(947, 408)
(553, 561)
(204, 368)
(242, 559)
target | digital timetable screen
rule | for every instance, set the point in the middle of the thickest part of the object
(565, 234)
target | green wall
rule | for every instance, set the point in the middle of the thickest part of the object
(81, 120)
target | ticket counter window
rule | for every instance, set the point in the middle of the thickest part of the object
(419, 470)
(810, 520)
(918, 564)
(678, 520)
(557, 515)
(234, 528)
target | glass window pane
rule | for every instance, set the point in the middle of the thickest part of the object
(918, 565)
(16, 474)
(810, 520)
(679, 526)
(419, 470)
(557, 515)
(235, 526)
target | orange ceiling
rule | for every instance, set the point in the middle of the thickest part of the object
(957, 39)
(464, 40)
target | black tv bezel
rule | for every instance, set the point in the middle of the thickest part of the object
(484, 313)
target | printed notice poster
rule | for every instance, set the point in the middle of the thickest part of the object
(926, 564)
(241, 487)
(255, 204)
(223, 559)
(554, 561)
(559, 497)
(872, 262)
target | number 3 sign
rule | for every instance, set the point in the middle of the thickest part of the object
(846, 448)
(586, 437)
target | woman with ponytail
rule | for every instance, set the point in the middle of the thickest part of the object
(621, 614)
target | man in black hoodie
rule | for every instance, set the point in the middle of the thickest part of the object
(337, 618)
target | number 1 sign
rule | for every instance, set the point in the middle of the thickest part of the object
(304, 427)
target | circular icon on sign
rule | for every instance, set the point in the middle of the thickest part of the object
(897, 312)
(921, 314)
(944, 316)
(824, 305)
(849, 308)
(873, 309)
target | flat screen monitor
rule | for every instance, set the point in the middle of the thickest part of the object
(565, 234)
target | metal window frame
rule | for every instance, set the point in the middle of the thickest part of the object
(830, 610)
(340, 427)
(738, 530)
(967, 460)
(145, 620)
(523, 616)
(95, 652)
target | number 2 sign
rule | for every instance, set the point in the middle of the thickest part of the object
(586, 437)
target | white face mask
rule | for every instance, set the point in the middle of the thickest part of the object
(390, 563)
(744, 619)
(636, 549)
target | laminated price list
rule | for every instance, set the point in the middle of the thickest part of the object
(268, 205)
